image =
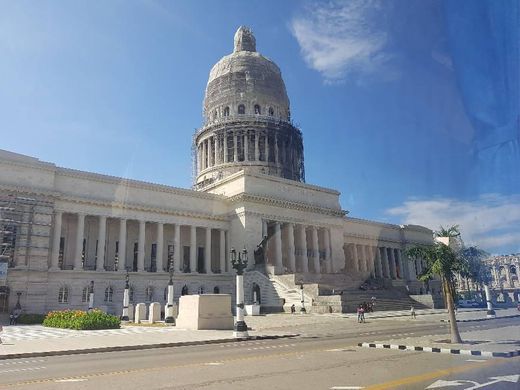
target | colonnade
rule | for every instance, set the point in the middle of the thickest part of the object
(159, 249)
(240, 145)
(496, 273)
(298, 248)
(381, 262)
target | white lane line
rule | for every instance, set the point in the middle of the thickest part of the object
(22, 362)
(476, 360)
(346, 387)
(214, 364)
(22, 369)
(71, 380)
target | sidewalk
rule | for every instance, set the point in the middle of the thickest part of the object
(496, 342)
(36, 340)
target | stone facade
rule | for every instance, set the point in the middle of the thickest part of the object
(75, 227)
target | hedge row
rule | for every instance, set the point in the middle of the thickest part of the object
(29, 319)
(81, 320)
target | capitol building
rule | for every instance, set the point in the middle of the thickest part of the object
(62, 228)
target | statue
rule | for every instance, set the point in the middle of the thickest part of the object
(259, 252)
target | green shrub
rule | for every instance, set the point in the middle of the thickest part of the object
(29, 319)
(81, 320)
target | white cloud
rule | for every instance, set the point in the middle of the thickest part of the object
(491, 222)
(342, 37)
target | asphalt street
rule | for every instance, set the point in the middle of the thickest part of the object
(329, 360)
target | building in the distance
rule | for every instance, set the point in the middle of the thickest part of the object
(63, 228)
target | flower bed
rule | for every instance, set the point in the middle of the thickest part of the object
(81, 320)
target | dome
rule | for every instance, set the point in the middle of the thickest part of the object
(245, 83)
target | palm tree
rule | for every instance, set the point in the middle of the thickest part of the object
(445, 262)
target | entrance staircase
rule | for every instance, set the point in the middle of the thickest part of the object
(326, 293)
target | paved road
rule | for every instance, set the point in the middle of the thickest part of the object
(311, 361)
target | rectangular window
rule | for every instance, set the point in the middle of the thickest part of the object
(62, 250)
(170, 257)
(136, 254)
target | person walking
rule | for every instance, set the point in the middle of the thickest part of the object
(412, 312)
(293, 309)
(359, 313)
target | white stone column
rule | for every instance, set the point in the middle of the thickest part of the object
(278, 247)
(378, 266)
(386, 263)
(290, 247)
(159, 260)
(193, 249)
(140, 246)
(303, 244)
(355, 257)
(215, 150)
(328, 260)
(235, 147)
(79, 241)
(509, 280)
(275, 148)
(316, 250)
(177, 248)
(222, 251)
(257, 154)
(246, 145)
(371, 261)
(225, 148)
(56, 238)
(100, 262)
(391, 259)
(207, 252)
(122, 245)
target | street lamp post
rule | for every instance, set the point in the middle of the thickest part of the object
(490, 312)
(91, 296)
(126, 298)
(302, 309)
(169, 305)
(239, 264)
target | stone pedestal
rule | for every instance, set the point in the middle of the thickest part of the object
(154, 314)
(208, 311)
(252, 310)
(171, 311)
(140, 313)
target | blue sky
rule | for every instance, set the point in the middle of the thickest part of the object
(409, 108)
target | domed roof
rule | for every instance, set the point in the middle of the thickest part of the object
(245, 78)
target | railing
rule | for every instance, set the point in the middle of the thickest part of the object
(245, 118)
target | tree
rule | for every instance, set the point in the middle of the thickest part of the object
(445, 262)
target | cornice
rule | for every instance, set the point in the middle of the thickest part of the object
(142, 208)
(284, 219)
(107, 179)
(285, 204)
(31, 162)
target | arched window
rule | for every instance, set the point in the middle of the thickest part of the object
(241, 109)
(63, 294)
(85, 295)
(215, 114)
(109, 293)
(216, 290)
(201, 290)
(258, 111)
(512, 269)
(149, 294)
(184, 290)
(226, 111)
(271, 111)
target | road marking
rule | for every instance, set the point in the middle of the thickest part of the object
(476, 360)
(22, 362)
(346, 387)
(399, 383)
(214, 364)
(22, 369)
(71, 380)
